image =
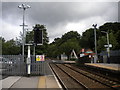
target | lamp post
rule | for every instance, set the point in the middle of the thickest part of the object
(95, 59)
(108, 44)
(24, 7)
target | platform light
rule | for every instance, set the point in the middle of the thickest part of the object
(24, 7)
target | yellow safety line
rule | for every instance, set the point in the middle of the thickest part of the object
(42, 82)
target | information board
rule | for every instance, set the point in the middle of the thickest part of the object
(40, 58)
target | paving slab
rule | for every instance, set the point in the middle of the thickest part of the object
(33, 82)
(9, 81)
(27, 82)
(51, 82)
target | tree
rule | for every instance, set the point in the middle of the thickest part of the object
(42, 49)
(114, 26)
(113, 41)
(117, 35)
(69, 45)
(30, 37)
(2, 41)
(10, 48)
(87, 39)
(101, 42)
(65, 44)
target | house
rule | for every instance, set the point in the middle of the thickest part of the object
(86, 52)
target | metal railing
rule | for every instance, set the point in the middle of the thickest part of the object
(114, 57)
(14, 65)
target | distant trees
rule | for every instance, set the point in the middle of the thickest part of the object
(73, 40)
(68, 41)
(65, 44)
(9, 47)
(13, 47)
(114, 35)
(87, 39)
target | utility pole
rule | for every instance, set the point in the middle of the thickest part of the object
(108, 44)
(95, 59)
(24, 7)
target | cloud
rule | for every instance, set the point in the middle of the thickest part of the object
(60, 17)
(55, 13)
(10, 31)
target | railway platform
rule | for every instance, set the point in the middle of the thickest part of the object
(33, 82)
(111, 67)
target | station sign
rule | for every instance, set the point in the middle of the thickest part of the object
(40, 58)
(110, 45)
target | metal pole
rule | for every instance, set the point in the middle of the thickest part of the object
(108, 50)
(95, 59)
(34, 50)
(108, 45)
(28, 61)
(24, 7)
(95, 41)
(23, 34)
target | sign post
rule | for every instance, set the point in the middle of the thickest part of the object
(38, 40)
(28, 61)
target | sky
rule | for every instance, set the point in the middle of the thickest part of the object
(58, 17)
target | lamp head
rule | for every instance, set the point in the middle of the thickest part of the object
(20, 6)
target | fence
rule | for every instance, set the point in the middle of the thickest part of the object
(14, 65)
(40, 67)
(114, 56)
(112, 53)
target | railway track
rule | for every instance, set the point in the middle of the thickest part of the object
(111, 75)
(111, 82)
(65, 78)
(71, 77)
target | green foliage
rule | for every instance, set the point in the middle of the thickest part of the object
(10, 47)
(69, 45)
(113, 41)
(69, 41)
(30, 37)
(101, 42)
(117, 35)
(65, 44)
(42, 49)
(114, 27)
(87, 39)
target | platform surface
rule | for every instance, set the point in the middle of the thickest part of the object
(8, 82)
(115, 67)
(30, 82)
(47, 82)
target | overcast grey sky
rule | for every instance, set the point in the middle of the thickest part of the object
(59, 17)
